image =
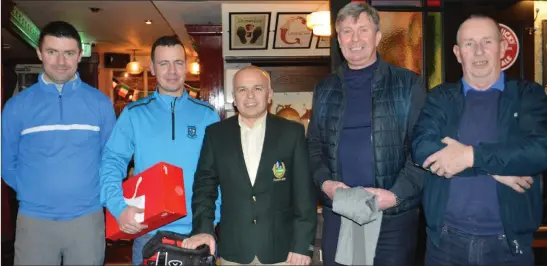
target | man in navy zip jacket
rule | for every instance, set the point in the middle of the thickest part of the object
(53, 134)
(484, 141)
(167, 126)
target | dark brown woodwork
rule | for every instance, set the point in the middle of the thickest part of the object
(88, 69)
(209, 49)
(296, 78)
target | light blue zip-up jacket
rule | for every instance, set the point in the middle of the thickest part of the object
(158, 128)
(51, 148)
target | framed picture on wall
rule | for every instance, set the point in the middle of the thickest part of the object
(323, 42)
(291, 31)
(249, 31)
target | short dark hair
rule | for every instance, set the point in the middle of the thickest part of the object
(60, 29)
(169, 40)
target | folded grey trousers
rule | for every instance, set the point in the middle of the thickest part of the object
(360, 226)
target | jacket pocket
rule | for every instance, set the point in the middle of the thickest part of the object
(522, 210)
(228, 240)
(283, 231)
(434, 203)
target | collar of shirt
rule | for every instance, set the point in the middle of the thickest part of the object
(498, 85)
(259, 123)
(50, 82)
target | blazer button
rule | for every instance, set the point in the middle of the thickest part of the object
(254, 198)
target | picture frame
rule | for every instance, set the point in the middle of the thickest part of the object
(291, 31)
(323, 42)
(249, 30)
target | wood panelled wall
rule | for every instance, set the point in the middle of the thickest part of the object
(209, 48)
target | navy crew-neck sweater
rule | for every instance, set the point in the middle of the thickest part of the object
(355, 146)
(473, 201)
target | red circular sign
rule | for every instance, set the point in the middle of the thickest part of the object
(512, 51)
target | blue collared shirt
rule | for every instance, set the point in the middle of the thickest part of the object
(498, 85)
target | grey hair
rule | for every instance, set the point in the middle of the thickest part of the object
(354, 10)
(480, 16)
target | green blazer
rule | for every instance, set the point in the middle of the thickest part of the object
(270, 219)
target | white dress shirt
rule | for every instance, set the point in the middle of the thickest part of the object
(252, 140)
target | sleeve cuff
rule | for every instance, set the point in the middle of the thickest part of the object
(117, 208)
(320, 178)
(204, 229)
(477, 157)
(306, 251)
(399, 195)
(210, 230)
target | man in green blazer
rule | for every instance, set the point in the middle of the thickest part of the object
(260, 161)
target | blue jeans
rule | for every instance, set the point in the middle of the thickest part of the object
(460, 248)
(138, 245)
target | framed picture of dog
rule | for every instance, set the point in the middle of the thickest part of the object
(249, 31)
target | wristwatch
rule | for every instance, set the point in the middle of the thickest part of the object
(398, 201)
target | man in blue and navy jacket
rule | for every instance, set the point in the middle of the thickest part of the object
(484, 141)
(53, 134)
(167, 126)
(359, 136)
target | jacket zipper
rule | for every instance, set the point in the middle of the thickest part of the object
(173, 119)
(374, 183)
(337, 132)
(61, 106)
(517, 249)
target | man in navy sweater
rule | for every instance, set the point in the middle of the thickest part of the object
(484, 141)
(359, 136)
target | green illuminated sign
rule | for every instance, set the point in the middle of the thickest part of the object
(25, 27)
(86, 50)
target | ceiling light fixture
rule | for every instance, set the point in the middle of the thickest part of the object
(148, 22)
(134, 67)
(319, 22)
(194, 67)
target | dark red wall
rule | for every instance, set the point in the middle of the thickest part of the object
(209, 48)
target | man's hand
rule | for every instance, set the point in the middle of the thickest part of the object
(127, 221)
(198, 240)
(452, 159)
(329, 187)
(298, 259)
(518, 183)
(386, 199)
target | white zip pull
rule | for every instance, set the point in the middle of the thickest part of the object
(517, 249)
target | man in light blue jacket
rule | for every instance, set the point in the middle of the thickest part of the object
(53, 134)
(167, 126)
